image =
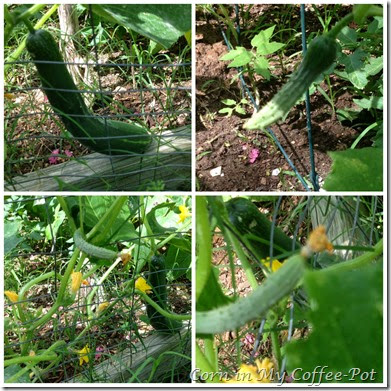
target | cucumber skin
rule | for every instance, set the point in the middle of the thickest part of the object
(158, 281)
(320, 55)
(90, 249)
(70, 106)
(245, 309)
(247, 219)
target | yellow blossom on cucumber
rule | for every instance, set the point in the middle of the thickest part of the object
(262, 372)
(103, 306)
(142, 285)
(12, 296)
(76, 280)
(184, 213)
(83, 353)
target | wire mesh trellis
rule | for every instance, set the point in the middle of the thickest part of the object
(103, 334)
(152, 90)
(353, 225)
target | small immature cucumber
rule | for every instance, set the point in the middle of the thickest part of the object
(90, 249)
(321, 53)
(245, 309)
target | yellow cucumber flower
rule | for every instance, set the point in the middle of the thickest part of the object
(83, 353)
(276, 264)
(142, 285)
(262, 372)
(184, 213)
(12, 296)
(102, 306)
(76, 280)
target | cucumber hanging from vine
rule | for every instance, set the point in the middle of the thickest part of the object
(90, 249)
(321, 53)
(245, 309)
(100, 134)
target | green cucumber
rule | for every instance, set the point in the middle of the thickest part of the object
(90, 249)
(250, 222)
(99, 134)
(158, 281)
(321, 53)
(245, 309)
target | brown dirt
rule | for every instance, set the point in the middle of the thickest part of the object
(222, 141)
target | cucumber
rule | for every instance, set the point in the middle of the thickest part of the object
(321, 53)
(101, 135)
(90, 249)
(248, 220)
(158, 281)
(245, 309)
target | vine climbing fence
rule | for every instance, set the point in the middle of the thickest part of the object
(122, 76)
(76, 318)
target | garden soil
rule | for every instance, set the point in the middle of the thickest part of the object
(224, 145)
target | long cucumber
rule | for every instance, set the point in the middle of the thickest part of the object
(245, 309)
(101, 135)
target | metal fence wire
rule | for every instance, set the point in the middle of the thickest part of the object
(103, 334)
(353, 225)
(151, 90)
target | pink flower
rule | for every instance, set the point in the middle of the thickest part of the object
(98, 351)
(248, 340)
(254, 153)
(54, 156)
(68, 153)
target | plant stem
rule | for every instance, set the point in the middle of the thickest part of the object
(169, 315)
(333, 33)
(203, 364)
(18, 51)
(64, 206)
(360, 261)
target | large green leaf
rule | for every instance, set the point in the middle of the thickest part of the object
(356, 170)
(163, 23)
(347, 322)
(97, 206)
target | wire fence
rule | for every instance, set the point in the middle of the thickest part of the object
(105, 331)
(43, 155)
(353, 225)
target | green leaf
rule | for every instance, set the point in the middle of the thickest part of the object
(269, 48)
(374, 102)
(162, 23)
(356, 170)
(11, 235)
(178, 261)
(347, 325)
(355, 68)
(348, 36)
(12, 370)
(212, 295)
(261, 67)
(96, 207)
(374, 66)
(240, 110)
(226, 110)
(229, 102)
(240, 57)
(262, 37)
